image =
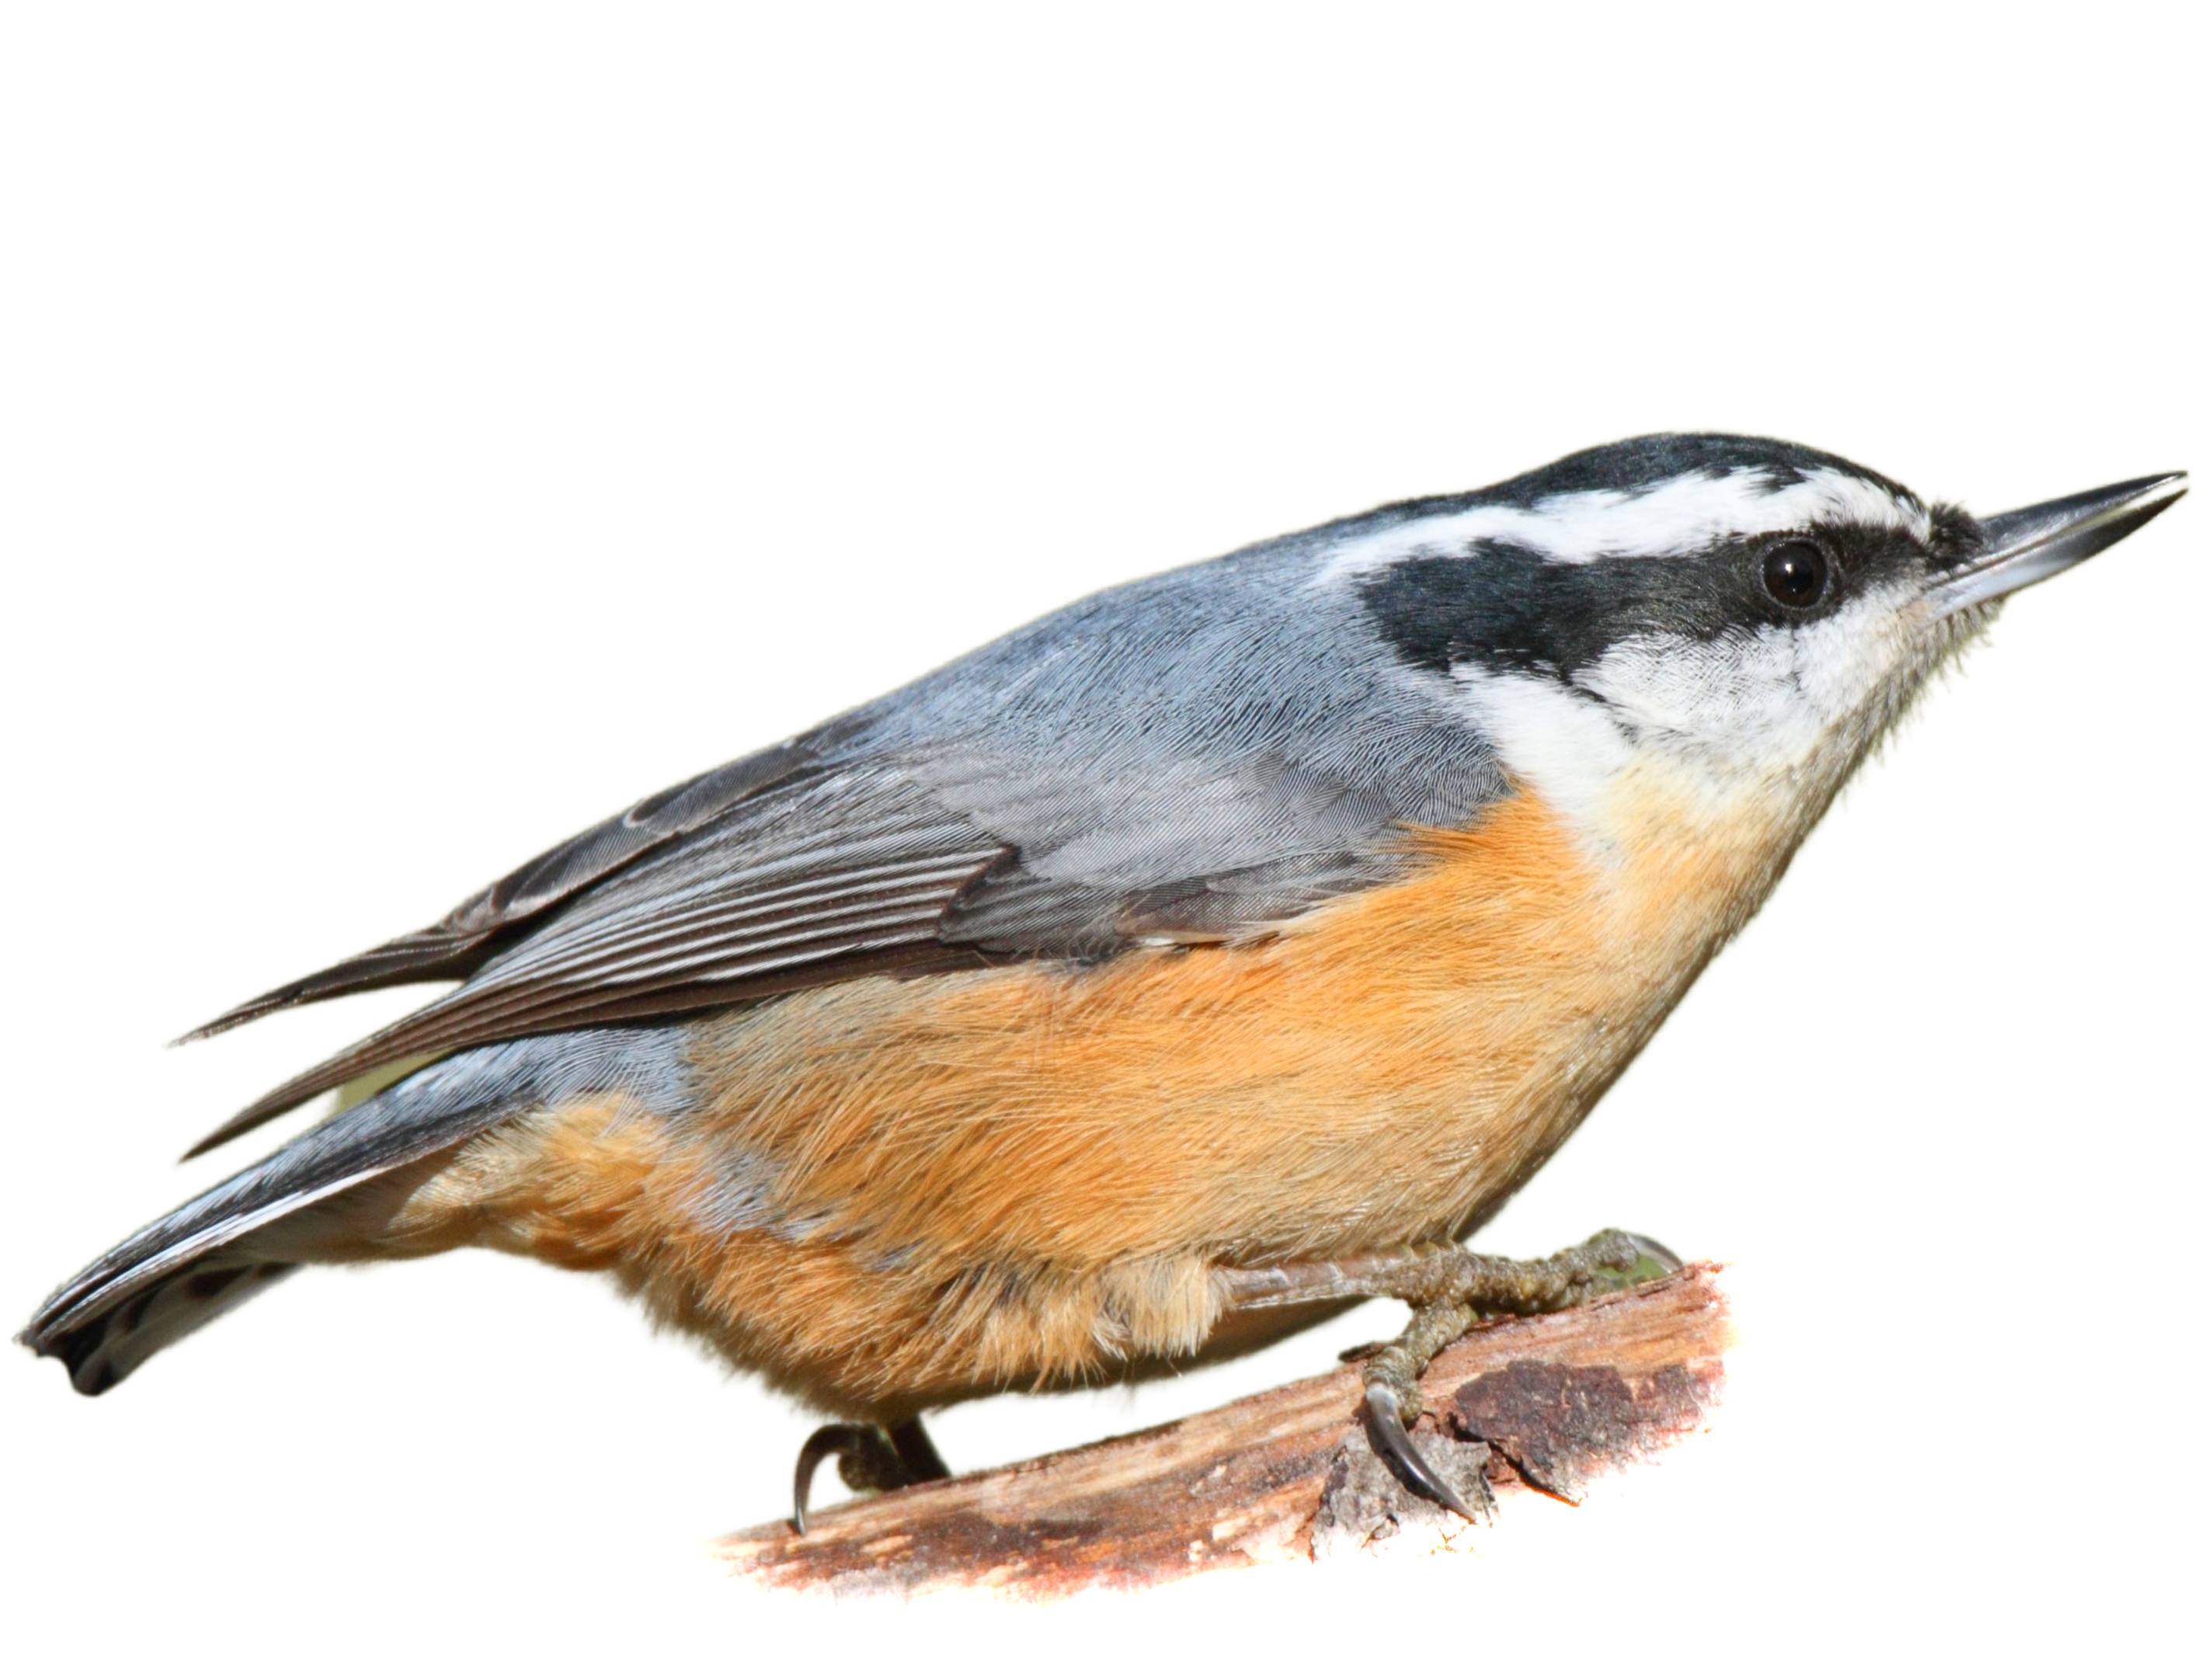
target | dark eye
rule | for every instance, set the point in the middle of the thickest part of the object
(1797, 574)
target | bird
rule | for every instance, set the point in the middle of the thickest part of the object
(1223, 948)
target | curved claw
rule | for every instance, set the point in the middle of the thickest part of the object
(1658, 1252)
(831, 1440)
(1386, 1428)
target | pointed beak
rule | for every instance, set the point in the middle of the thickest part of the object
(2022, 547)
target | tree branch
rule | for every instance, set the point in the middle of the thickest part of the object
(1542, 1405)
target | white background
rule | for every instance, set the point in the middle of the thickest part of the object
(428, 428)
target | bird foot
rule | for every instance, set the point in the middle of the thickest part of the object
(871, 1459)
(1450, 1291)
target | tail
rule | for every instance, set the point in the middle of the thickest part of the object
(108, 1347)
(205, 1258)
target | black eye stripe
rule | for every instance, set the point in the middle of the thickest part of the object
(1502, 607)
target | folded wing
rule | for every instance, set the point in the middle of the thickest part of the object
(1192, 760)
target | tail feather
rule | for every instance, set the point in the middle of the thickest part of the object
(107, 1346)
(209, 1256)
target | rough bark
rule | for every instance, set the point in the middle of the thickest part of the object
(1539, 1405)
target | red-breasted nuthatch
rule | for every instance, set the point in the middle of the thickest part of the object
(1219, 949)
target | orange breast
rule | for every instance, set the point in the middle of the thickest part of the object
(1382, 1071)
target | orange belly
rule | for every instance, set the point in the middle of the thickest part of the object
(1031, 1173)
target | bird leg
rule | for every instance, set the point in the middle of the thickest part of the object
(870, 1459)
(1450, 1291)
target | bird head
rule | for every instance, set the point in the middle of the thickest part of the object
(1733, 620)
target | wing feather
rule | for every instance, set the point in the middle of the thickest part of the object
(1190, 760)
(451, 947)
(700, 943)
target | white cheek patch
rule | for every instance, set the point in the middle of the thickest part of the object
(1683, 516)
(1761, 703)
(1727, 720)
(1732, 701)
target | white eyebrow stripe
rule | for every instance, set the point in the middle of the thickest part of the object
(1680, 516)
